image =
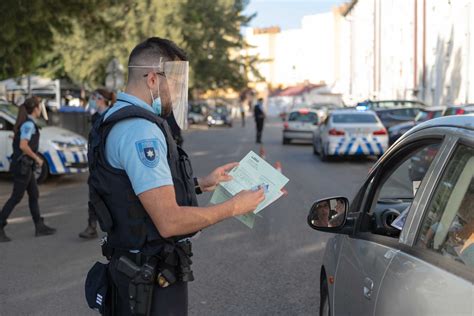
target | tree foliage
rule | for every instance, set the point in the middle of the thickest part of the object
(211, 34)
(77, 39)
(28, 27)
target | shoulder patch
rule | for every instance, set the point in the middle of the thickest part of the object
(148, 152)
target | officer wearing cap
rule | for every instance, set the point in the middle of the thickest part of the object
(143, 187)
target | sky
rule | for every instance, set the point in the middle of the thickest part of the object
(286, 14)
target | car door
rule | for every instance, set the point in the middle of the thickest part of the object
(366, 255)
(6, 138)
(433, 273)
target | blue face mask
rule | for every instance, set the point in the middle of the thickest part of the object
(92, 104)
(156, 104)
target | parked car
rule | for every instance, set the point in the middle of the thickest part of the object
(63, 151)
(323, 109)
(423, 115)
(392, 112)
(300, 125)
(197, 113)
(220, 116)
(459, 110)
(350, 133)
(405, 246)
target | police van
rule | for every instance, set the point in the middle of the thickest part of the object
(63, 151)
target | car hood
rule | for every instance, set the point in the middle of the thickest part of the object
(54, 133)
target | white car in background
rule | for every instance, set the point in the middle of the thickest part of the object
(300, 125)
(350, 133)
(63, 151)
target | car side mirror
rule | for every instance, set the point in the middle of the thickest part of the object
(328, 214)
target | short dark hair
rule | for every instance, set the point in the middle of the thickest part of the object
(150, 50)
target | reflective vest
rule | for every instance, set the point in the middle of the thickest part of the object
(33, 142)
(131, 228)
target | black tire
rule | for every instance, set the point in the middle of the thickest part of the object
(43, 173)
(324, 304)
(286, 141)
(315, 152)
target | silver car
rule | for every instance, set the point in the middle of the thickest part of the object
(300, 125)
(405, 244)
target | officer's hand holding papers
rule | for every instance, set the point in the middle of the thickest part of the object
(252, 173)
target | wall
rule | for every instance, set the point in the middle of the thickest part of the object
(410, 49)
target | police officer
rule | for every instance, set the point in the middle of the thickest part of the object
(259, 115)
(25, 159)
(145, 182)
(99, 101)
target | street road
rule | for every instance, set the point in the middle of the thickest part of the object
(272, 269)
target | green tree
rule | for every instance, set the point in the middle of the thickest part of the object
(83, 57)
(28, 27)
(211, 34)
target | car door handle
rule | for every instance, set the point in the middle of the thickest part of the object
(368, 287)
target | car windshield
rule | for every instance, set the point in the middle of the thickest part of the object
(354, 118)
(303, 117)
(12, 111)
(427, 115)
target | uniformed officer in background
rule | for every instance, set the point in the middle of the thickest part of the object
(143, 186)
(25, 159)
(99, 101)
(259, 116)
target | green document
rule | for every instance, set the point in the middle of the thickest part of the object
(252, 172)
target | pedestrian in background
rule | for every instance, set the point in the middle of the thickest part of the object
(242, 112)
(259, 115)
(25, 159)
(99, 102)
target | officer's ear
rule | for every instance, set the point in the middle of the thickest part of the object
(152, 80)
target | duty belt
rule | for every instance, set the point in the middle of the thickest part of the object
(172, 263)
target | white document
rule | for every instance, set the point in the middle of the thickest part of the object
(252, 172)
(399, 222)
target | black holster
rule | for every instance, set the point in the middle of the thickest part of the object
(142, 282)
(26, 164)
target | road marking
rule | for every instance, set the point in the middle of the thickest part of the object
(24, 219)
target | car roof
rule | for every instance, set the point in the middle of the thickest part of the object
(394, 101)
(458, 121)
(434, 108)
(304, 110)
(350, 111)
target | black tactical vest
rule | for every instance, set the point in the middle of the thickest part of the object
(132, 228)
(33, 142)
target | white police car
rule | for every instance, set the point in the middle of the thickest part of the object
(63, 151)
(350, 133)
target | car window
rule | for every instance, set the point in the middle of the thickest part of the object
(303, 117)
(353, 118)
(448, 226)
(427, 115)
(406, 178)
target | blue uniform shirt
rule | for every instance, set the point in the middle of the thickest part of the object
(138, 146)
(27, 130)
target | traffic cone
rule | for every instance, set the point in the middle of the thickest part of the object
(278, 166)
(262, 152)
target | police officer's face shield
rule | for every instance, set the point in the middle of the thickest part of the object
(173, 88)
(44, 113)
